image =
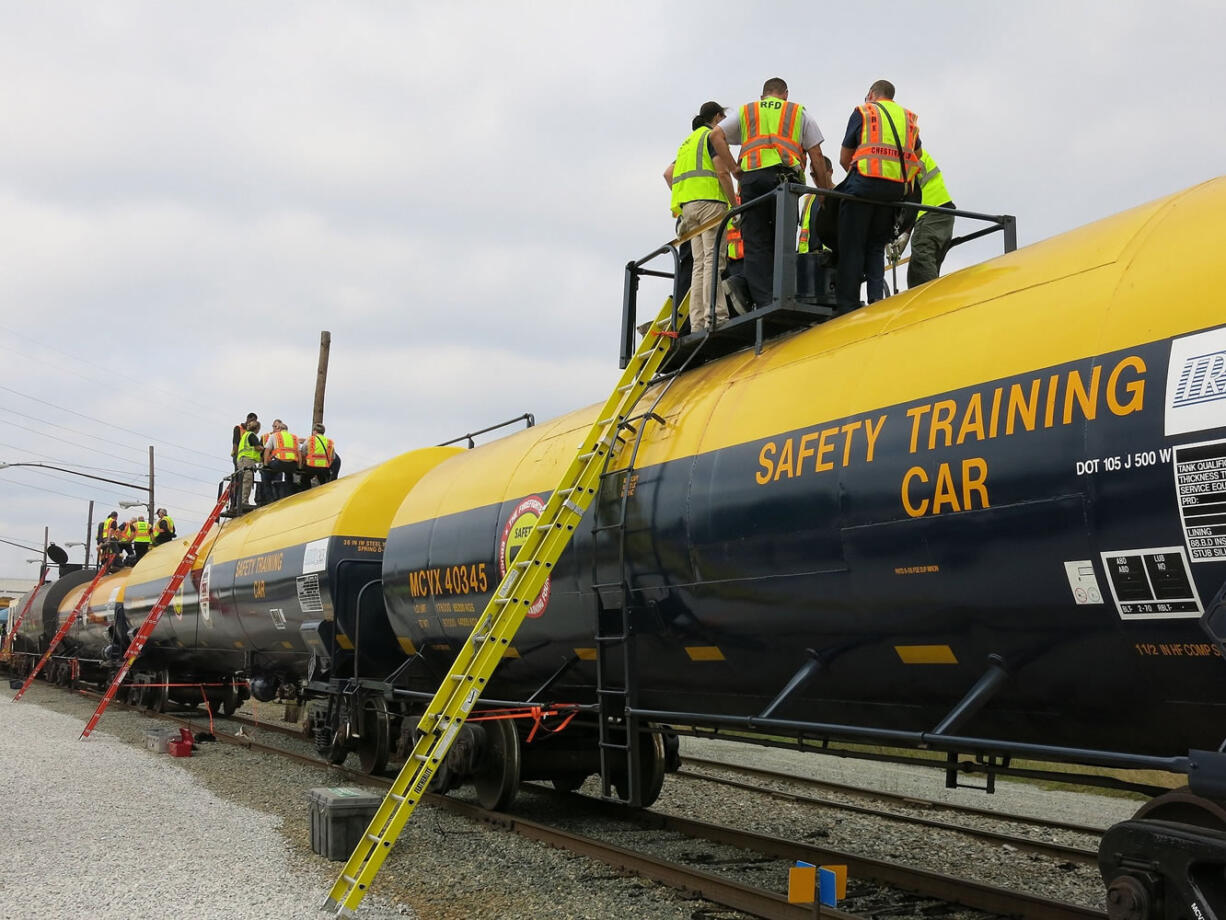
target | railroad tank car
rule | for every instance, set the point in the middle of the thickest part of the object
(987, 514)
(41, 620)
(280, 595)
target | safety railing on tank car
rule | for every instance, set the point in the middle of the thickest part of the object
(527, 417)
(803, 306)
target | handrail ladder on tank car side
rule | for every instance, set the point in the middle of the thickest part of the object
(500, 620)
(616, 629)
(802, 282)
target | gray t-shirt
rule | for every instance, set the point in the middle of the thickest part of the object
(810, 133)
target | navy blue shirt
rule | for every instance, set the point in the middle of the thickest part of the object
(856, 183)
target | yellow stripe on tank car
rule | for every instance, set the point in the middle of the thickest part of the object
(1087, 292)
(585, 654)
(510, 652)
(407, 645)
(926, 654)
(704, 653)
(343, 641)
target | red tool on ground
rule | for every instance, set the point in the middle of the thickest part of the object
(151, 621)
(103, 568)
(25, 608)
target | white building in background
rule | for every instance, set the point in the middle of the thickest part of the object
(14, 587)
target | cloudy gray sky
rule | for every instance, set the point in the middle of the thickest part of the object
(189, 193)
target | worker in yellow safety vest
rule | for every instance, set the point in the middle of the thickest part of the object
(775, 137)
(246, 458)
(881, 154)
(108, 534)
(163, 528)
(142, 537)
(280, 461)
(701, 183)
(315, 456)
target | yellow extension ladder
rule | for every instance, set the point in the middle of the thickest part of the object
(500, 619)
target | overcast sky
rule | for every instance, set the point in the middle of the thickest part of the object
(189, 193)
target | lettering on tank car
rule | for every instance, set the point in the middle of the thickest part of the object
(1005, 410)
(364, 545)
(268, 562)
(440, 581)
(1200, 486)
(1177, 649)
(1152, 583)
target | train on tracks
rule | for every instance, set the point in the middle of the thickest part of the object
(986, 516)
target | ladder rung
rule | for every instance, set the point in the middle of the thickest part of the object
(375, 837)
(349, 878)
(621, 638)
(609, 746)
(397, 796)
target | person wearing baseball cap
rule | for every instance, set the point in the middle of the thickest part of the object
(701, 183)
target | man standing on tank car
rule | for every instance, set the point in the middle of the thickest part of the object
(163, 528)
(881, 155)
(701, 183)
(239, 430)
(774, 135)
(315, 456)
(280, 460)
(246, 459)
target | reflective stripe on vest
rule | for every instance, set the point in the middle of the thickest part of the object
(319, 452)
(932, 185)
(804, 223)
(736, 243)
(284, 445)
(142, 532)
(246, 449)
(109, 529)
(770, 133)
(170, 524)
(878, 154)
(694, 177)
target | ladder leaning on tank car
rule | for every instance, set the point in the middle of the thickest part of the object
(496, 626)
(104, 566)
(803, 293)
(137, 644)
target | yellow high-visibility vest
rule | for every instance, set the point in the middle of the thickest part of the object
(694, 177)
(770, 133)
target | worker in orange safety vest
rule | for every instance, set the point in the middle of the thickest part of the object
(315, 456)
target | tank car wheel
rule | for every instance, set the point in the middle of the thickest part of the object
(230, 700)
(374, 743)
(135, 693)
(497, 778)
(159, 700)
(1182, 806)
(652, 763)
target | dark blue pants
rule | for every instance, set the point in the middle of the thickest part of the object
(864, 231)
(758, 231)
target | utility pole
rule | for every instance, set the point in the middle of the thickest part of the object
(152, 516)
(321, 378)
(89, 532)
(46, 540)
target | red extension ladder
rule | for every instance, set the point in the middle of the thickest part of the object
(103, 568)
(151, 621)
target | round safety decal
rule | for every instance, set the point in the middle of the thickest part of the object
(523, 519)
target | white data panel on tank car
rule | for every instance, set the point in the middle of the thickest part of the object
(1152, 583)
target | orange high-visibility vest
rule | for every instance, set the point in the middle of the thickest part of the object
(770, 133)
(878, 155)
(319, 452)
(736, 243)
(284, 445)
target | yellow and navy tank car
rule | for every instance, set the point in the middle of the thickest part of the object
(985, 516)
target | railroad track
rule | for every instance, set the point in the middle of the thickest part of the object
(1052, 849)
(876, 887)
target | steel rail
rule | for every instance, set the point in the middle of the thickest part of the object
(767, 904)
(831, 785)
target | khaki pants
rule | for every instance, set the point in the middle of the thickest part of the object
(707, 271)
(247, 480)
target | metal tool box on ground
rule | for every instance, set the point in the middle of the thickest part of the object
(339, 817)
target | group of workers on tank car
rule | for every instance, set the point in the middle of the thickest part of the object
(884, 161)
(128, 542)
(287, 463)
